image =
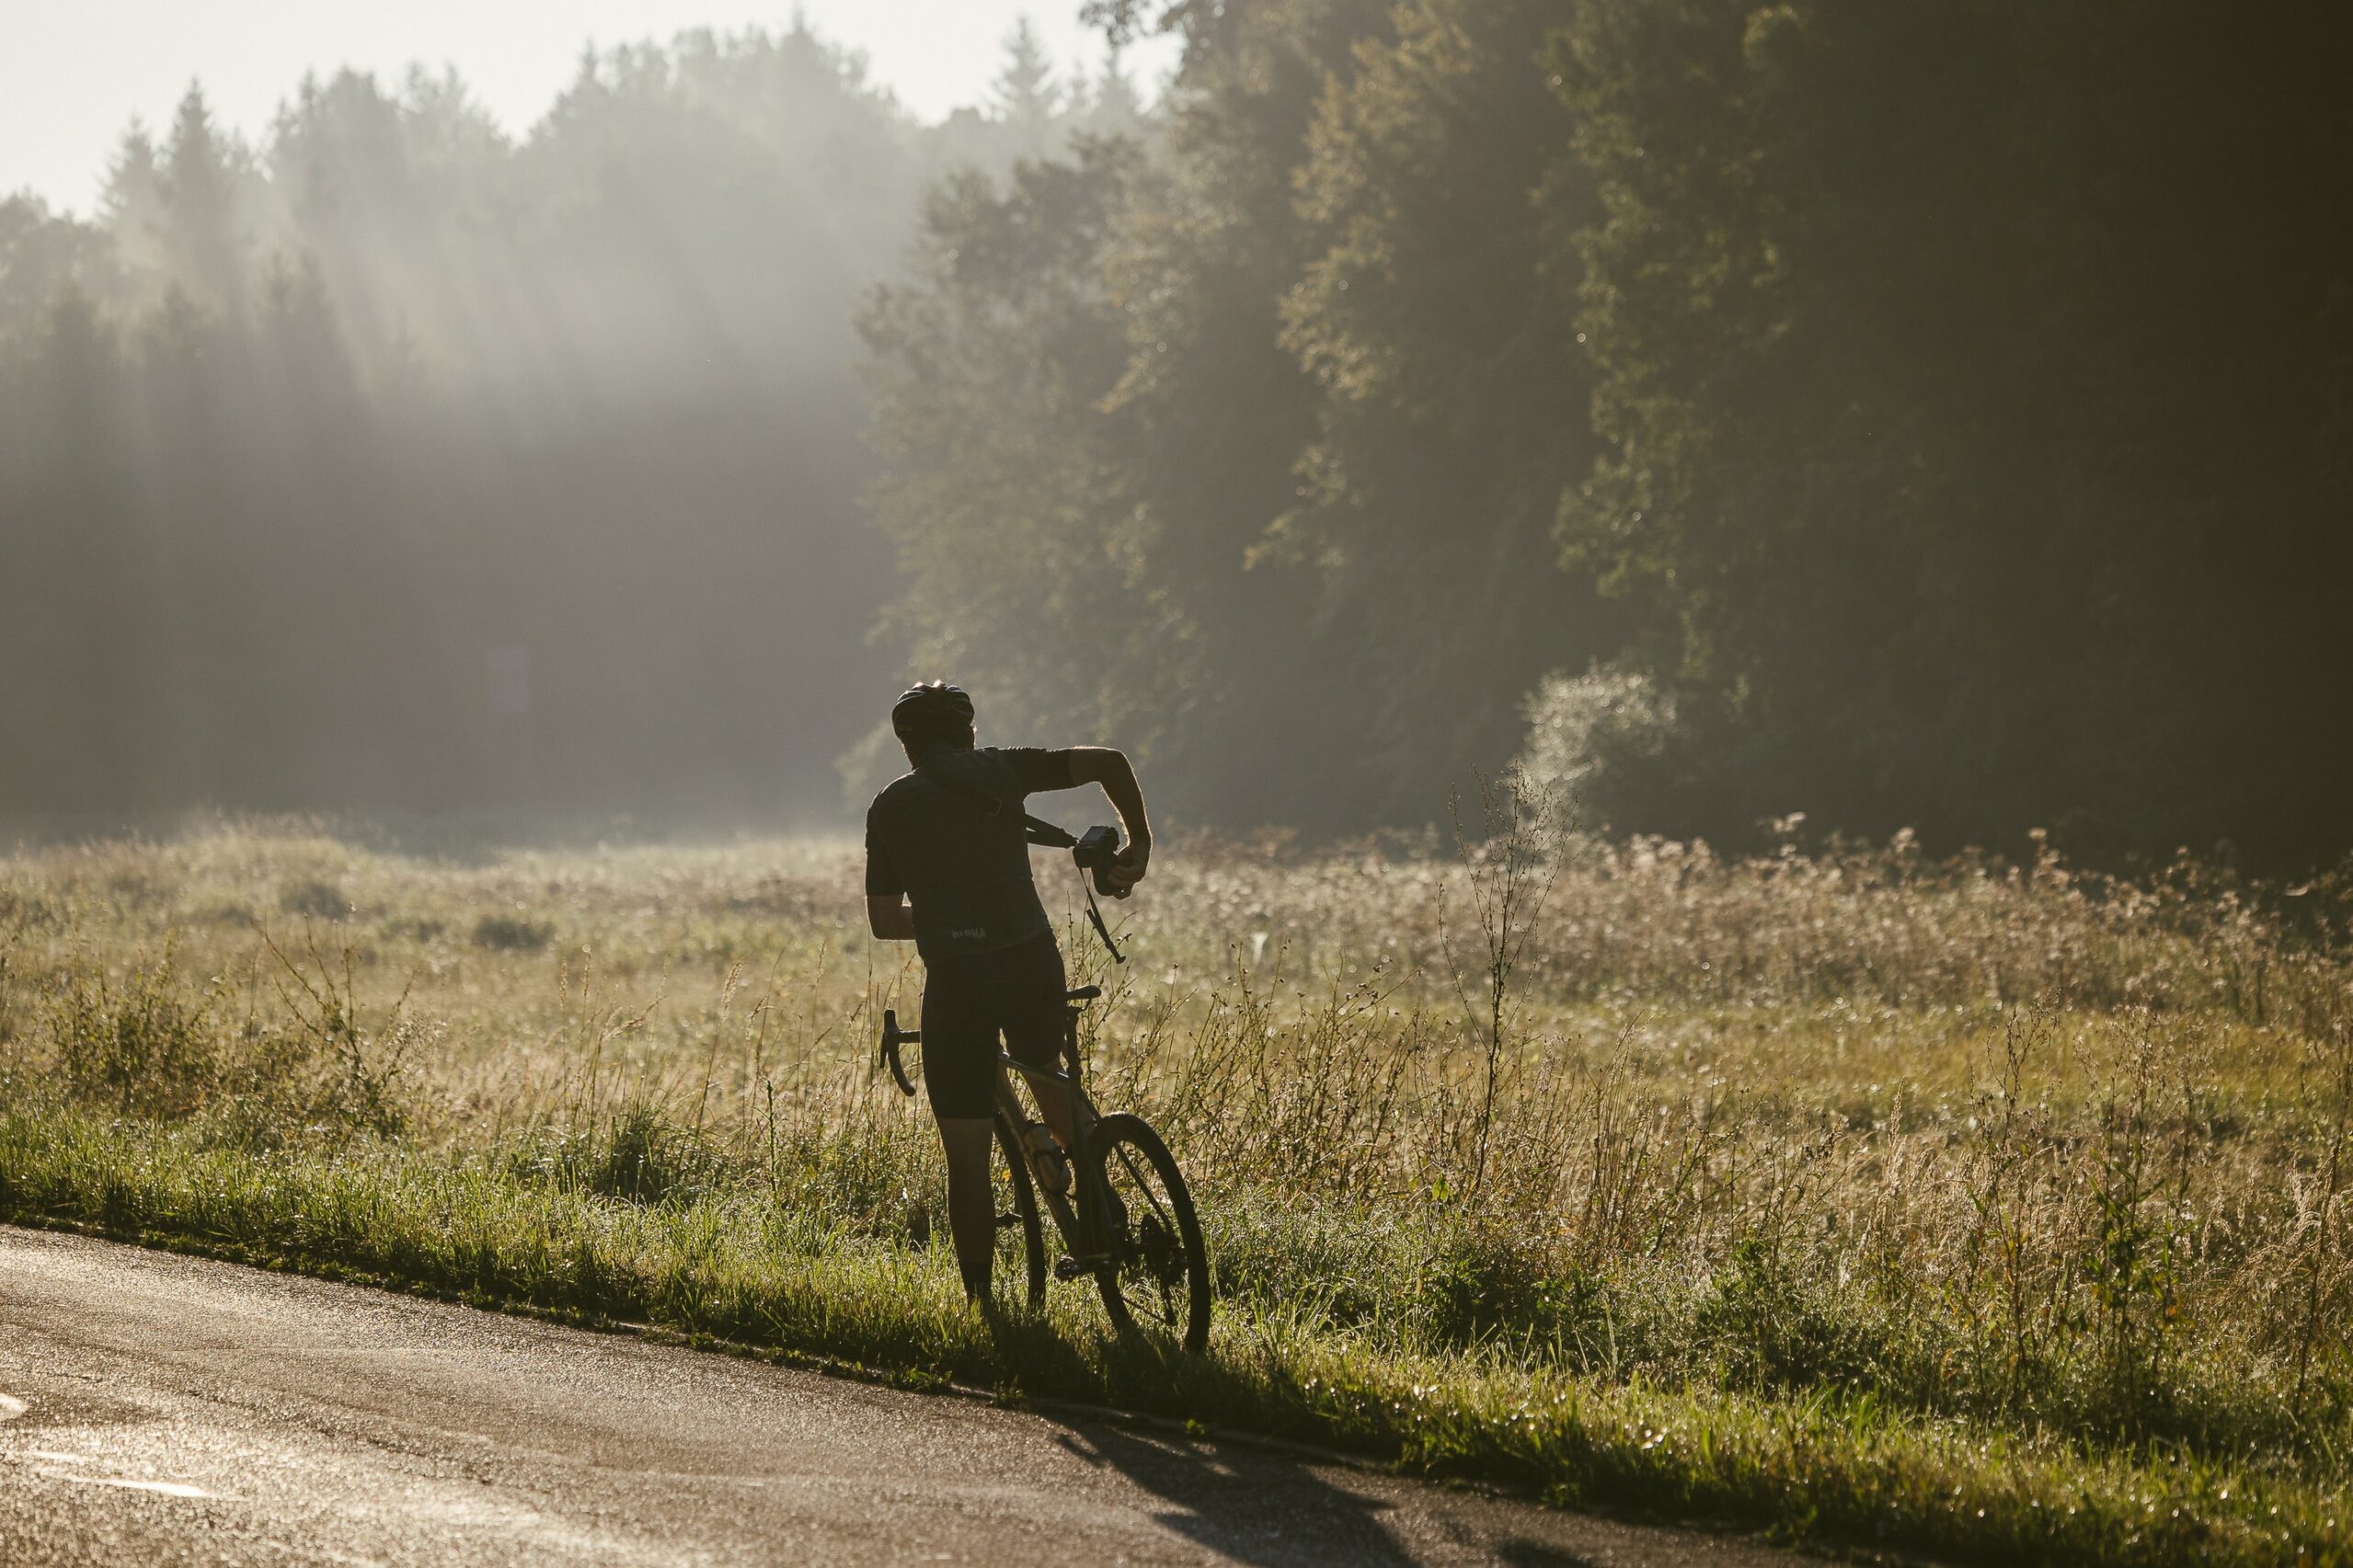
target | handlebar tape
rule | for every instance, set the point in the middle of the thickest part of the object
(886, 1053)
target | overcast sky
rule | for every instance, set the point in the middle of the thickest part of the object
(74, 73)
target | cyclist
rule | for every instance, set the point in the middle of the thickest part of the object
(946, 873)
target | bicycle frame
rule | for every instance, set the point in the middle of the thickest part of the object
(1081, 1223)
(1090, 1216)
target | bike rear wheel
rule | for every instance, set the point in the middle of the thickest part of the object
(1157, 1273)
(1020, 1272)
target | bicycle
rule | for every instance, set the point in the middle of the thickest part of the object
(1143, 1247)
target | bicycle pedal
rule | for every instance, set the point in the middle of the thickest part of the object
(1069, 1268)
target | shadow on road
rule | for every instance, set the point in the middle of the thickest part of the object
(1253, 1505)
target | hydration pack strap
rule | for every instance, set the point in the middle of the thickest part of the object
(1039, 832)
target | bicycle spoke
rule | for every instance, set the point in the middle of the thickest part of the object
(1157, 1277)
(1150, 1245)
(1168, 1298)
(1129, 1160)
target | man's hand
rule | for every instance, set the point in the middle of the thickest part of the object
(1127, 868)
(1101, 764)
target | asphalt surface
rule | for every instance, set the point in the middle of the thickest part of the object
(164, 1409)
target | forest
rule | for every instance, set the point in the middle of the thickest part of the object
(1934, 419)
(301, 433)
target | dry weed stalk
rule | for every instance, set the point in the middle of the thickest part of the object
(1511, 871)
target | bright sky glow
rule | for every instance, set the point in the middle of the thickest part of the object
(74, 73)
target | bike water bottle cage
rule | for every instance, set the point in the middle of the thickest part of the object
(1090, 849)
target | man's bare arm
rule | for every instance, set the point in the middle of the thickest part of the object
(1112, 769)
(889, 918)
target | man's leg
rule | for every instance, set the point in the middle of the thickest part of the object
(1053, 1103)
(959, 1075)
(1040, 1035)
(971, 1209)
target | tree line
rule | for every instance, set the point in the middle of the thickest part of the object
(1926, 417)
(307, 440)
(1919, 416)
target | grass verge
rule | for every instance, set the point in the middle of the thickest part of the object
(1824, 1467)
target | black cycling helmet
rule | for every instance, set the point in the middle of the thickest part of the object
(932, 711)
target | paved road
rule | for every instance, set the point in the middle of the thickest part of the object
(162, 1409)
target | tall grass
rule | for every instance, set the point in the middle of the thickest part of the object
(1799, 1191)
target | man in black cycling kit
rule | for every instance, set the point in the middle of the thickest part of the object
(944, 872)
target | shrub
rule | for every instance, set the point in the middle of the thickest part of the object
(142, 1048)
(511, 934)
(313, 899)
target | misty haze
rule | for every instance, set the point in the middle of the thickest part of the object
(1595, 744)
(393, 464)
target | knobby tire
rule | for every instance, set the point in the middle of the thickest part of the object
(1159, 1259)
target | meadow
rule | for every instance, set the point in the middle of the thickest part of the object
(1860, 1197)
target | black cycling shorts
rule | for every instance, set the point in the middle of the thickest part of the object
(968, 1001)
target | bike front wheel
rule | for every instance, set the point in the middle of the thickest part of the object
(1157, 1269)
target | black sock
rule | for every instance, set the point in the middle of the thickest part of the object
(976, 1279)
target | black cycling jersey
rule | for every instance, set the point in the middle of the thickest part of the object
(965, 873)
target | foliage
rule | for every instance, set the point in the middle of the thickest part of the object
(298, 430)
(1973, 383)
(144, 1049)
(1938, 417)
(1585, 729)
(1013, 532)
(1283, 384)
(510, 933)
(1941, 411)
(141, 1044)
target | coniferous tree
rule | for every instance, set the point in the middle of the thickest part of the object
(396, 388)
(1951, 404)
(197, 185)
(1024, 95)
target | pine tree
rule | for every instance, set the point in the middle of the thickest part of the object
(1024, 95)
(133, 206)
(198, 185)
(1115, 109)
